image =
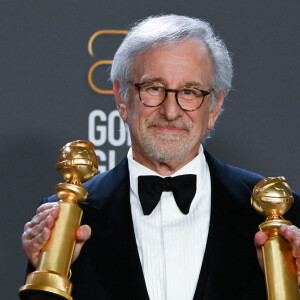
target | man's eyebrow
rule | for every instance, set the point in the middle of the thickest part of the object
(154, 79)
(162, 81)
(193, 83)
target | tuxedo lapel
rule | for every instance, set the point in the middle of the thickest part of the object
(233, 224)
(112, 246)
(214, 269)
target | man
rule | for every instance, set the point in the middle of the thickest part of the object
(170, 77)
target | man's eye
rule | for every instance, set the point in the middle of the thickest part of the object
(190, 93)
(187, 92)
(156, 88)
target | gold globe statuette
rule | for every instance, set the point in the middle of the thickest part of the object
(77, 163)
(272, 197)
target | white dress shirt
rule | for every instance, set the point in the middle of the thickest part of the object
(171, 245)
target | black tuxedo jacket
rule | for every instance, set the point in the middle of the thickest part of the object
(109, 266)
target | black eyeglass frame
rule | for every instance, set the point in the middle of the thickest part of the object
(176, 91)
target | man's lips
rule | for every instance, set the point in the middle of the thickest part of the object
(169, 129)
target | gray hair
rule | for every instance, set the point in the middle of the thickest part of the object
(157, 31)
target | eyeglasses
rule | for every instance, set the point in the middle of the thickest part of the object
(188, 98)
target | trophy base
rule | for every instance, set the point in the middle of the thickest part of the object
(44, 285)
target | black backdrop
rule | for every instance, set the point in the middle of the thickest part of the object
(46, 99)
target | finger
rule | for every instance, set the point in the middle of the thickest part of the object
(296, 247)
(35, 245)
(298, 268)
(83, 233)
(32, 232)
(42, 238)
(289, 232)
(52, 209)
(298, 263)
(46, 206)
(260, 238)
(292, 234)
(38, 228)
(39, 241)
(38, 218)
(35, 235)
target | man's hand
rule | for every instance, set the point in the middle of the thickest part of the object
(37, 232)
(291, 233)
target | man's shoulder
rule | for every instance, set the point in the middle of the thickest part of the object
(231, 175)
(239, 183)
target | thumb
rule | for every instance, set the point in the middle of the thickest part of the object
(83, 234)
(259, 240)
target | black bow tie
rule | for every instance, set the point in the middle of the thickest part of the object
(151, 187)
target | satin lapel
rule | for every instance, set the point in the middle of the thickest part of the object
(113, 247)
(215, 274)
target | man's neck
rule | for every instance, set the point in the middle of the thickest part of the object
(163, 168)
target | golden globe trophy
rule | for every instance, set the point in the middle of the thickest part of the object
(272, 197)
(77, 163)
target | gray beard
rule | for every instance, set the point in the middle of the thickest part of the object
(164, 152)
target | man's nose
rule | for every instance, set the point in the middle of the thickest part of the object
(170, 108)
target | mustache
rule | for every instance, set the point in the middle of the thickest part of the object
(161, 121)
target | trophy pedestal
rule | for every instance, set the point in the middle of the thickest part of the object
(45, 285)
(279, 263)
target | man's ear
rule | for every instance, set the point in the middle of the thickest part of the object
(214, 113)
(120, 103)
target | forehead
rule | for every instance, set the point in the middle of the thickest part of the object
(187, 61)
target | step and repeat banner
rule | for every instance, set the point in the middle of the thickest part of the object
(55, 59)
